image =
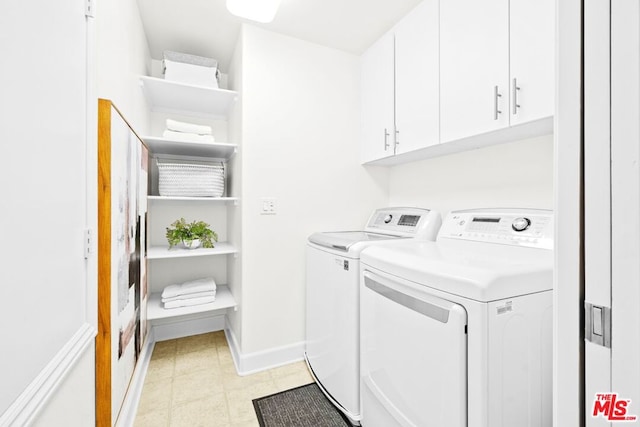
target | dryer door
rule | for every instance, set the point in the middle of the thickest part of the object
(413, 355)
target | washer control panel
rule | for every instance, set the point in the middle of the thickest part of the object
(521, 227)
(406, 222)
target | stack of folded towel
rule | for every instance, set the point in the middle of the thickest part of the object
(188, 132)
(194, 292)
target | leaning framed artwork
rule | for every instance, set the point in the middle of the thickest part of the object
(122, 279)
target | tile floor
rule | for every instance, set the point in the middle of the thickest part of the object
(193, 382)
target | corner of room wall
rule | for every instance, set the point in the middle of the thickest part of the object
(122, 57)
(300, 145)
(234, 189)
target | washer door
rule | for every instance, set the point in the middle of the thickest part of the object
(413, 356)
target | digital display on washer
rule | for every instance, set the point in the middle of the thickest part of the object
(409, 220)
(485, 219)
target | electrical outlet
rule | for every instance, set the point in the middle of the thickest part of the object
(268, 206)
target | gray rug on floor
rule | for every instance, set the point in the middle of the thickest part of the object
(303, 406)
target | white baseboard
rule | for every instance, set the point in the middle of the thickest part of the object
(127, 415)
(169, 329)
(251, 363)
(37, 394)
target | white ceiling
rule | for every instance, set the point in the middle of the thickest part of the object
(206, 28)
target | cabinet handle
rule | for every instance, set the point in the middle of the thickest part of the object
(386, 139)
(516, 88)
(496, 111)
(397, 137)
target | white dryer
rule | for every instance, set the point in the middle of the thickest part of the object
(458, 332)
(333, 277)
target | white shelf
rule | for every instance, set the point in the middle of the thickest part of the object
(179, 98)
(193, 199)
(156, 310)
(218, 150)
(163, 252)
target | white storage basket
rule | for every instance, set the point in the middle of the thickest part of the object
(190, 69)
(190, 179)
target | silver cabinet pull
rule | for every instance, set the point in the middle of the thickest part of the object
(386, 139)
(516, 88)
(496, 111)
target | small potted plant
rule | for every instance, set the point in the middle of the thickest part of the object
(191, 235)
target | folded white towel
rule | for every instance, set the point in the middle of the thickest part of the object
(177, 126)
(188, 137)
(190, 296)
(190, 287)
(189, 302)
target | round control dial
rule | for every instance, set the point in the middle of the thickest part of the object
(520, 224)
(388, 218)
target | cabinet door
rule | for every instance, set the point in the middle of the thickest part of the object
(474, 61)
(377, 100)
(417, 85)
(532, 59)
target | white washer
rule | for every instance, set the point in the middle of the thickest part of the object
(458, 332)
(333, 277)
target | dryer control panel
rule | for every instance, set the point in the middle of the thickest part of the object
(406, 222)
(518, 227)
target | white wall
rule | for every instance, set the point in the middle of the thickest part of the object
(300, 131)
(517, 174)
(234, 189)
(76, 405)
(45, 320)
(122, 57)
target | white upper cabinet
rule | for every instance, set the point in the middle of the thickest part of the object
(377, 100)
(497, 67)
(531, 57)
(474, 67)
(417, 79)
(400, 87)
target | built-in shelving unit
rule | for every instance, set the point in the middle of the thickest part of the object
(184, 99)
(193, 199)
(217, 150)
(163, 252)
(155, 310)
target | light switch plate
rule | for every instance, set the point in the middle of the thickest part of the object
(268, 206)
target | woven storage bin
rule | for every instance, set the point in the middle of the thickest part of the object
(190, 180)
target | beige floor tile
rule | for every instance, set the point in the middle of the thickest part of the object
(220, 339)
(163, 349)
(224, 355)
(240, 400)
(156, 396)
(290, 369)
(196, 385)
(160, 368)
(206, 359)
(291, 381)
(193, 382)
(158, 418)
(228, 367)
(209, 412)
(235, 382)
(196, 343)
(252, 423)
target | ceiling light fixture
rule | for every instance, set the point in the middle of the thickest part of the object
(256, 10)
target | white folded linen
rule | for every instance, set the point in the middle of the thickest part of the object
(188, 137)
(177, 126)
(190, 287)
(190, 296)
(189, 302)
